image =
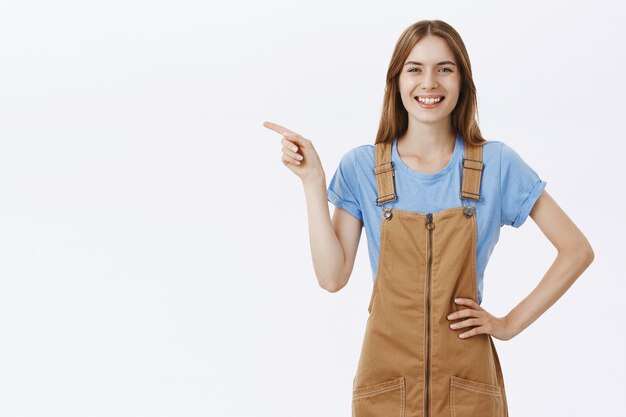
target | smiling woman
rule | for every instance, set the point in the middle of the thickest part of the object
(442, 71)
(432, 195)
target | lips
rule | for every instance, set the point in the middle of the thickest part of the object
(442, 97)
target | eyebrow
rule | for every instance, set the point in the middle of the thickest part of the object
(438, 63)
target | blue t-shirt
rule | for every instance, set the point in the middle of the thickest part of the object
(509, 189)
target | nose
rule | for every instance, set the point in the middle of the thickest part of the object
(429, 81)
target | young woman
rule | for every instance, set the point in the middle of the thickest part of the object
(432, 194)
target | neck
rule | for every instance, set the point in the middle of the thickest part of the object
(429, 142)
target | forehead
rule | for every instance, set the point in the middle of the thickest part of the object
(430, 50)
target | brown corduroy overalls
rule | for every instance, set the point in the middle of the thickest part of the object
(412, 363)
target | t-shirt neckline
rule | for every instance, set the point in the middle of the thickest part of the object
(399, 163)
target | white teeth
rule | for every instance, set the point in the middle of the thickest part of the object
(429, 100)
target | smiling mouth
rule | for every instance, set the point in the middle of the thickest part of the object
(429, 101)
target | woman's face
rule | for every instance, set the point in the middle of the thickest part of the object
(430, 70)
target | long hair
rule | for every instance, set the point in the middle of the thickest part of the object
(394, 118)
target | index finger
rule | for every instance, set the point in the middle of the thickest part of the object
(278, 128)
(467, 301)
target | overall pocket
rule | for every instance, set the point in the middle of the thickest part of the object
(469, 398)
(385, 399)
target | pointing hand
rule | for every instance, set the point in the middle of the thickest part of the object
(298, 155)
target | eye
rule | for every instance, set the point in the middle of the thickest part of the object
(444, 68)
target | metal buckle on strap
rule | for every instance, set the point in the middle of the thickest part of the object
(477, 167)
(382, 200)
(470, 197)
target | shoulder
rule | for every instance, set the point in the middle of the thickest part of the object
(509, 158)
(501, 148)
(359, 159)
(363, 152)
(360, 151)
(491, 151)
(499, 153)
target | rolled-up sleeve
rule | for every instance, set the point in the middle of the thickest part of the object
(343, 190)
(520, 187)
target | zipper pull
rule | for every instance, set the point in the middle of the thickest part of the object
(429, 221)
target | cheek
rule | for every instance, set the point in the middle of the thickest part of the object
(406, 82)
(456, 86)
(453, 93)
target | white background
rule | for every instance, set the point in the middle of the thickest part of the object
(154, 252)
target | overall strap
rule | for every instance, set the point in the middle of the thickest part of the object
(472, 171)
(383, 169)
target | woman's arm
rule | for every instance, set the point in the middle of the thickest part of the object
(333, 244)
(574, 256)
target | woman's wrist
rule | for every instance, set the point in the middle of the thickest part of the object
(315, 181)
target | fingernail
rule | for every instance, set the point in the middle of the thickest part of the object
(450, 317)
(293, 148)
